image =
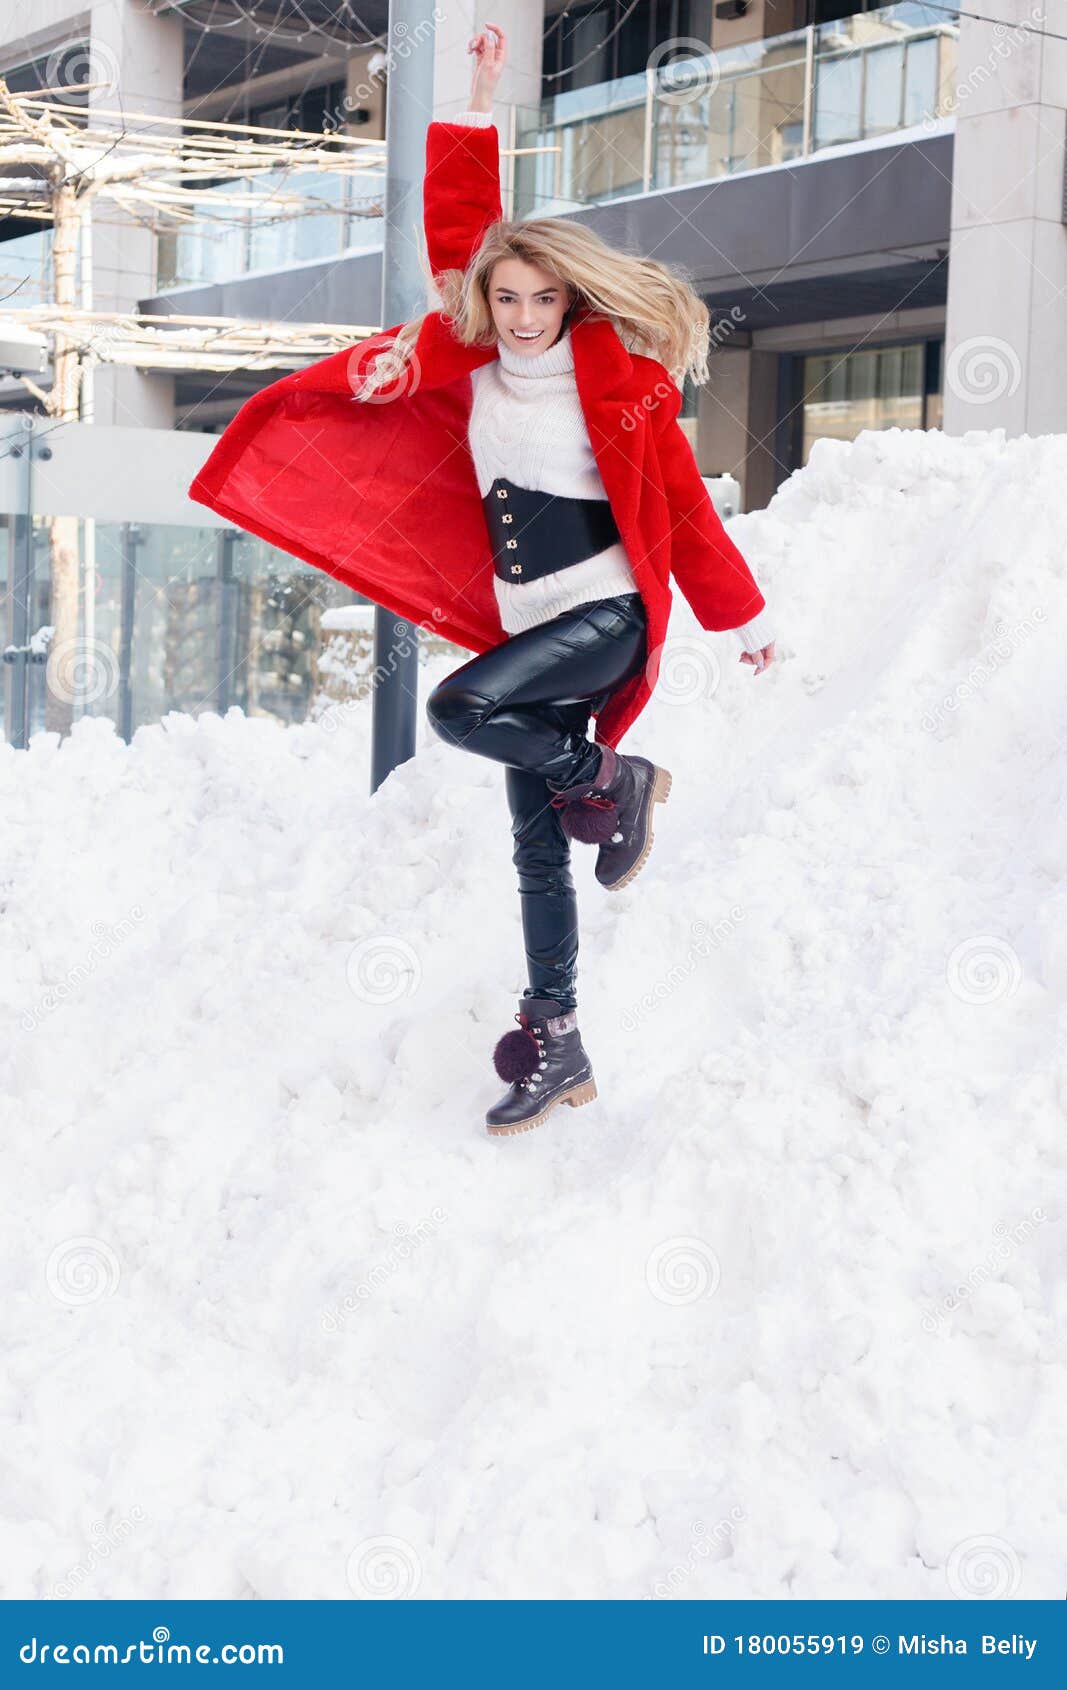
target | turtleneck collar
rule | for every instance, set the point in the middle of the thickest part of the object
(553, 361)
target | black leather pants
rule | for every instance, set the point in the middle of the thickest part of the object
(527, 704)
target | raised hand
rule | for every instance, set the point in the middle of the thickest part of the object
(490, 51)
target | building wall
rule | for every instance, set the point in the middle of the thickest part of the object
(1006, 355)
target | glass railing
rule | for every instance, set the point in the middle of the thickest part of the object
(764, 103)
(292, 218)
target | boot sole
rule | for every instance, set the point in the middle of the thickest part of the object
(576, 1096)
(661, 786)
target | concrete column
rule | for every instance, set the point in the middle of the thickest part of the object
(1006, 330)
(736, 422)
(139, 58)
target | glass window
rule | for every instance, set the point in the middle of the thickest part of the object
(838, 93)
(920, 81)
(181, 618)
(845, 392)
(882, 95)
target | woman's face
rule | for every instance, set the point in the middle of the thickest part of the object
(527, 305)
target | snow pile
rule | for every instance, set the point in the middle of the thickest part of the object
(780, 1314)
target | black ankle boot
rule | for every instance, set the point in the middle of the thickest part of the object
(545, 1063)
(614, 811)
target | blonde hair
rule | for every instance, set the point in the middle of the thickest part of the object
(655, 311)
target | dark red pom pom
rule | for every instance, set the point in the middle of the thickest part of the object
(588, 822)
(516, 1055)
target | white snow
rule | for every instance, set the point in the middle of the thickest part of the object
(780, 1314)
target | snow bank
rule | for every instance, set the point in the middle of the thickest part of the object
(780, 1314)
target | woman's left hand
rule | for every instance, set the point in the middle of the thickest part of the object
(761, 659)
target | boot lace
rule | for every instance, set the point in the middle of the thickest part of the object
(530, 1081)
(560, 801)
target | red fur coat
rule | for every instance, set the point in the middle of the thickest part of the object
(382, 493)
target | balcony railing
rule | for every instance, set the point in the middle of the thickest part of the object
(766, 102)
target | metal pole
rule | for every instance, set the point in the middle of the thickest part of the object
(22, 582)
(227, 643)
(809, 89)
(408, 110)
(646, 139)
(132, 535)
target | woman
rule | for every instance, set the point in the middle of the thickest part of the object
(510, 437)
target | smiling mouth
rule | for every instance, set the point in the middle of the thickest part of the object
(535, 336)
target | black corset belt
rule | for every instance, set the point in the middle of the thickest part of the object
(532, 534)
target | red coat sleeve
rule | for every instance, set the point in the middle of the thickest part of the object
(461, 191)
(709, 569)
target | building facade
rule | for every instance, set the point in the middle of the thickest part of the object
(870, 199)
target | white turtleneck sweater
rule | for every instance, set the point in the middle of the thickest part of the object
(528, 426)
